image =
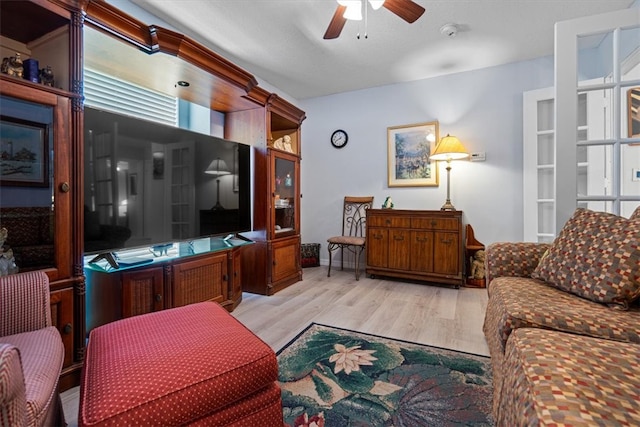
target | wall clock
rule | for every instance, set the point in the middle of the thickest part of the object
(339, 138)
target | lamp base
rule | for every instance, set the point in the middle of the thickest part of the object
(217, 207)
(447, 206)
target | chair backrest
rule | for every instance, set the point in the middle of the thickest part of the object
(24, 302)
(354, 215)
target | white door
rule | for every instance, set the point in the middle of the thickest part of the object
(595, 56)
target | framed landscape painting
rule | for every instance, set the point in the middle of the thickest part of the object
(23, 153)
(409, 151)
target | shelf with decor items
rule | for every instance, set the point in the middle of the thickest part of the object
(273, 263)
(40, 203)
(416, 244)
(157, 278)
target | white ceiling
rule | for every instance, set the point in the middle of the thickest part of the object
(280, 41)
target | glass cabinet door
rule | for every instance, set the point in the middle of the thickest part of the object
(285, 200)
(34, 198)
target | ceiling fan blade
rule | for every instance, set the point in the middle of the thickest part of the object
(336, 24)
(405, 9)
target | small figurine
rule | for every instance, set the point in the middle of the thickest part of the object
(46, 76)
(12, 66)
(388, 203)
(7, 261)
(278, 143)
(477, 266)
(287, 144)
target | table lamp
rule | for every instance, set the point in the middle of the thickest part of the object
(449, 148)
(217, 167)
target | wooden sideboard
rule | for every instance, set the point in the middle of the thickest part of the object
(416, 244)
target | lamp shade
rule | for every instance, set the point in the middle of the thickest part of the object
(449, 148)
(218, 167)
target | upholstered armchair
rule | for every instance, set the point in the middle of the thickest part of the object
(31, 353)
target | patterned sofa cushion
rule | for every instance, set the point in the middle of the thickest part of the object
(595, 256)
(516, 303)
(561, 379)
(519, 302)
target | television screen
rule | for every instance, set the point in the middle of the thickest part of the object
(147, 184)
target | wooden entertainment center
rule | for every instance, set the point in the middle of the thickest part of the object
(53, 32)
(203, 270)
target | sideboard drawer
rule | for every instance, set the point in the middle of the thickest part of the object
(387, 221)
(435, 223)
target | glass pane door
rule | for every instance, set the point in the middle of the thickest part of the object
(285, 196)
(597, 64)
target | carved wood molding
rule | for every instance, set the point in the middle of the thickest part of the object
(152, 39)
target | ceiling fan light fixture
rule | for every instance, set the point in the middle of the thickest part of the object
(376, 4)
(354, 10)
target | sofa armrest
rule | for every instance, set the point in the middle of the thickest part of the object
(24, 303)
(13, 399)
(513, 259)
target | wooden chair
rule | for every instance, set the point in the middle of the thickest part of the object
(354, 216)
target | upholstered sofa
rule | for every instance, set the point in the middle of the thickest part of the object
(31, 353)
(551, 306)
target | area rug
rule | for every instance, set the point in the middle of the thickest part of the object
(337, 377)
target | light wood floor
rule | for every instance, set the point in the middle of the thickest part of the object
(433, 315)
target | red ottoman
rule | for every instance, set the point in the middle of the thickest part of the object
(189, 365)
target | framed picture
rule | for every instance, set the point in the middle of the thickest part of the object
(158, 165)
(633, 112)
(24, 153)
(409, 151)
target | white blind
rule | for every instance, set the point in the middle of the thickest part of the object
(118, 96)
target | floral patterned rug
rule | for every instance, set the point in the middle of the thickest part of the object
(337, 377)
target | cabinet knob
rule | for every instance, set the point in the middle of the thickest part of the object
(434, 222)
(225, 277)
(388, 222)
(158, 297)
(65, 187)
(67, 329)
(446, 241)
(398, 237)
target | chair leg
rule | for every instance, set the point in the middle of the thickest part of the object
(356, 254)
(330, 253)
(341, 258)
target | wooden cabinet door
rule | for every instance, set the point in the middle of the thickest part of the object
(422, 251)
(203, 279)
(377, 247)
(142, 291)
(236, 276)
(399, 249)
(285, 260)
(61, 303)
(446, 253)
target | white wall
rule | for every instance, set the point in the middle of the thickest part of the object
(483, 108)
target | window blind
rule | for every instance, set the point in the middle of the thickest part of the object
(112, 94)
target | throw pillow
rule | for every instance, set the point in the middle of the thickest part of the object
(595, 256)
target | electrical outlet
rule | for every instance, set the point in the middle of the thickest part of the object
(478, 157)
(636, 175)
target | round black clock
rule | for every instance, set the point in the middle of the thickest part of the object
(339, 138)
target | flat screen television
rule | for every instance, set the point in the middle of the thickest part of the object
(149, 184)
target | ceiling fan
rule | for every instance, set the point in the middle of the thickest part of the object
(352, 10)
